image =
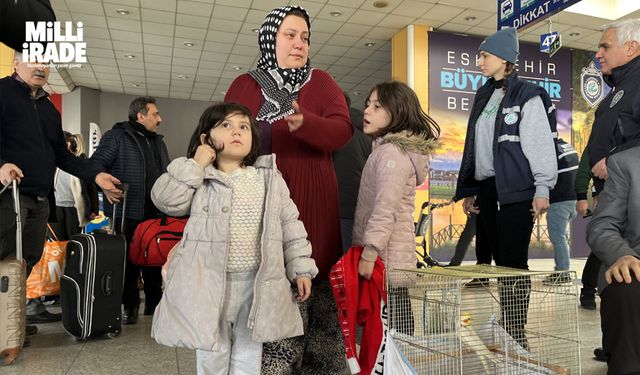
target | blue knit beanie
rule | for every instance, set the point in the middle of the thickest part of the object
(503, 43)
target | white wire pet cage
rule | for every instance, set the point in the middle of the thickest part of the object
(485, 320)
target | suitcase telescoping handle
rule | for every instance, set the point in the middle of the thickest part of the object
(125, 188)
(16, 205)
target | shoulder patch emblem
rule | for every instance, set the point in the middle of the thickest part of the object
(391, 164)
(511, 118)
(616, 98)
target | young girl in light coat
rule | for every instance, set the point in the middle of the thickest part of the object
(404, 137)
(229, 283)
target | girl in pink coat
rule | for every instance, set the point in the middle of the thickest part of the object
(404, 137)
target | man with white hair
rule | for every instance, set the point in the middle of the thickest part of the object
(617, 120)
(32, 145)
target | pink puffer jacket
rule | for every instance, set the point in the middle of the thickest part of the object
(383, 222)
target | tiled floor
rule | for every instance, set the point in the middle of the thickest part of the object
(54, 352)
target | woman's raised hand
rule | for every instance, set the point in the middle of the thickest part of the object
(295, 120)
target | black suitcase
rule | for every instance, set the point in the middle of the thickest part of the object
(92, 283)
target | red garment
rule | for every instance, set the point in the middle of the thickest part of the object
(304, 157)
(360, 301)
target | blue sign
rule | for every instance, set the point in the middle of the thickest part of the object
(524, 13)
(546, 40)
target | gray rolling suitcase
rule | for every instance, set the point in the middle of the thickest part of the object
(13, 296)
(92, 283)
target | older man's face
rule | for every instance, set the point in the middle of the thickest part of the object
(33, 74)
(611, 54)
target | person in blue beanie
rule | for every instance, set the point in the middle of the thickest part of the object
(508, 168)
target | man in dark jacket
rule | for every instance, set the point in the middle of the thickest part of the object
(617, 118)
(32, 145)
(134, 152)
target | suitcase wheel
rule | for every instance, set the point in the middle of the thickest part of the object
(114, 334)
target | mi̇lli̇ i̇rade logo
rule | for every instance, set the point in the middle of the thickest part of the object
(48, 43)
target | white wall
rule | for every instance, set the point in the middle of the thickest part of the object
(85, 105)
(79, 108)
(71, 105)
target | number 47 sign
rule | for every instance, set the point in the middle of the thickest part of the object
(546, 40)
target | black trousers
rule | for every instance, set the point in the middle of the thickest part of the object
(34, 213)
(504, 233)
(66, 224)
(590, 273)
(401, 318)
(620, 319)
(151, 275)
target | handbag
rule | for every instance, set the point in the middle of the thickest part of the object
(153, 240)
(44, 279)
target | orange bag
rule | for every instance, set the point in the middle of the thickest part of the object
(44, 279)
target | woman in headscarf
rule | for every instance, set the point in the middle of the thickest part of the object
(303, 117)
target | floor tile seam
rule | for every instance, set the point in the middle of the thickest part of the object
(83, 343)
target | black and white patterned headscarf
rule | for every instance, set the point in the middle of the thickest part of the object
(279, 85)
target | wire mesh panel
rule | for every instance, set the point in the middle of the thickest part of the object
(485, 320)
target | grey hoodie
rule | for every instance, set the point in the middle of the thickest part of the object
(384, 215)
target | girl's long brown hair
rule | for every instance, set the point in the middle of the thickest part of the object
(406, 113)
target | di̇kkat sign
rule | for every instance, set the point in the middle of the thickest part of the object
(58, 44)
(524, 13)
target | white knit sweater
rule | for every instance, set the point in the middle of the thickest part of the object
(245, 226)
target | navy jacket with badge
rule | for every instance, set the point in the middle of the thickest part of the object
(514, 179)
(617, 119)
